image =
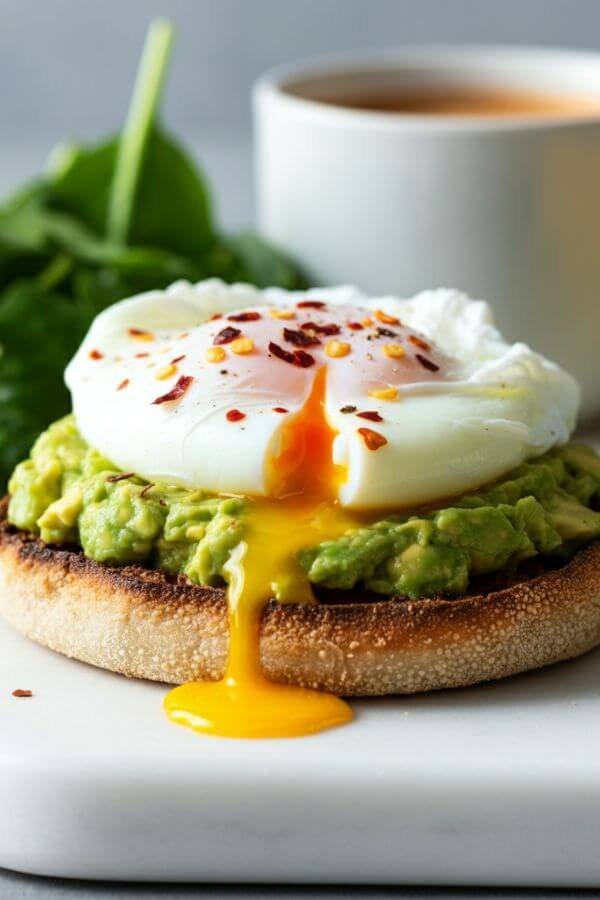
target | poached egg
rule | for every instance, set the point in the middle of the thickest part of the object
(451, 404)
(325, 408)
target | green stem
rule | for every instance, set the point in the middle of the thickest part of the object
(134, 137)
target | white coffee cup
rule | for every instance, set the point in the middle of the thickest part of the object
(506, 208)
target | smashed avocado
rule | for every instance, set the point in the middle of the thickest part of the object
(67, 492)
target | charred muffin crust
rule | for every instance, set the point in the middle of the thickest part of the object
(146, 624)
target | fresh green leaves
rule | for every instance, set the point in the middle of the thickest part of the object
(38, 328)
(260, 263)
(129, 214)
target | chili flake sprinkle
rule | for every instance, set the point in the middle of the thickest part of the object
(386, 332)
(226, 335)
(21, 692)
(119, 476)
(123, 384)
(419, 342)
(146, 489)
(235, 415)
(337, 349)
(141, 355)
(355, 326)
(427, 363)
(250, 316)
(347, 409)
(181, 386)
(215, 354)
(96, 354)
(394, 351)
(303, 359)
(370, 414)
(300, 338)
(139, 334)
(280, 409)
(385, 393)
(166, 372)
(298, 358)
(310, 304)
(387, 320)
(242, 346)
(373, 440)
(177, 359)
(328, 329)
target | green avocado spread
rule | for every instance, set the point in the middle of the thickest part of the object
(67, 492)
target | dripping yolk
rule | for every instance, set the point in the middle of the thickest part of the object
(304, 466)
(301, 512)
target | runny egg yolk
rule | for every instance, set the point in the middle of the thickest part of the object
(303, 512)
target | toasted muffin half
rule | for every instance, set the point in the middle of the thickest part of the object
(146, 624)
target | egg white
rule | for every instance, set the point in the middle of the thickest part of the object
(505, 404)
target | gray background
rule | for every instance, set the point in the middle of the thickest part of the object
(66, 70)
(67, 66)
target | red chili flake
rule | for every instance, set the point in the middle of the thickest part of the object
(373, 440)
(145, 490)
(427, 363)
(141, 355)
(355, 326)
(181, 386)
(250, 316)
(177, 359)
(303, 359)
(347, 409)
(123, 384)
(310, 304)
(286, 355)
(279, 409)
(235, 415)
(215, 316)
(120, 476)
(95, 354)
(138, 332)
(300, 338)
(371, 415)
(419, 342)
(298, 358)
(386, 332)
(20, 692)
(328, 330)
(226, 335)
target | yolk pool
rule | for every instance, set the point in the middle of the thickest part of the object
(303, 513)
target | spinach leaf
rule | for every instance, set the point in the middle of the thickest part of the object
(80, 179)
(173, 206)
(38, 329)
(262, 264)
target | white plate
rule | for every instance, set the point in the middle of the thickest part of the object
(493, 785)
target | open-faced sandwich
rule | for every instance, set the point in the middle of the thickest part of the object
(259, 489)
